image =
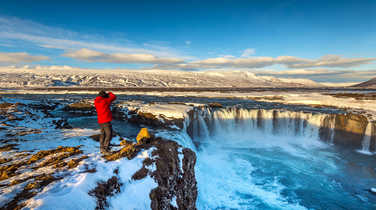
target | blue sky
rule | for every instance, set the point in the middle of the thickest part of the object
(319, 40)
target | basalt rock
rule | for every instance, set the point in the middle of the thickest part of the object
(175, 177)
(62, 124)
(174, 172)
(149, 119)
(348, 129)
(118, 113)
(215, 105)
(373, 137)
(6, 105)
(105, 189)
(8, 147)
(82, 108)
(30, 190)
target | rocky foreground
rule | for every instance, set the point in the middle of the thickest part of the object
(31, 167)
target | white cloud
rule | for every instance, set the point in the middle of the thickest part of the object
(248, 52)
(15, 29)
(20, 57)
(333, 61)
(95, 56)
(260, 62)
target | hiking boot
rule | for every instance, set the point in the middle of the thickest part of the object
(105, 151)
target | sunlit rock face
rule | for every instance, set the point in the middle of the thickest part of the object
(373, 137)
(350, 129)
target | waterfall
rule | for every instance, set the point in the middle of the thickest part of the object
(366, 141)
(205, 122)
(241, 153)
(204, 131)
(332, 124)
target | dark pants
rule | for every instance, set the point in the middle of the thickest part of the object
(106, 135)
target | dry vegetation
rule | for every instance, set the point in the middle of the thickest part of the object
(61, 158)
(357, 96)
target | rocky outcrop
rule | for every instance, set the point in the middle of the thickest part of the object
(62, 124)
(13, 168)
(149, 119)
(345, 130)
(373, 138)
(105, 189)
(349, 129)
(82, 108)
(175, 177)
(174, 173)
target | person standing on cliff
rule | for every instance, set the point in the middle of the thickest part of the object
(102, 104)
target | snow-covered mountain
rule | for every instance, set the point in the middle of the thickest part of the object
(70, 77)
(367, 84)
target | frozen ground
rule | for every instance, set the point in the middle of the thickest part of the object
(71, 191)
(70, 77)
(170, 111)
(297, 97)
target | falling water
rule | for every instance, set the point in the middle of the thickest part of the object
(276, 122)
(366, 141)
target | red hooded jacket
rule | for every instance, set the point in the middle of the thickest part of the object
(102, 105)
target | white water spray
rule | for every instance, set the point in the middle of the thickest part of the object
(366, 142)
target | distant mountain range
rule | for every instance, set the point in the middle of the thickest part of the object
(31, 78)
(367, 84)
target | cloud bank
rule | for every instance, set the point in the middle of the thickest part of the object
(95, 56)
(260, 62)
(20, 57)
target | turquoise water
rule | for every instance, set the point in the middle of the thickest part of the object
(254, 170)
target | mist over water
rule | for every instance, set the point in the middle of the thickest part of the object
(247, 163)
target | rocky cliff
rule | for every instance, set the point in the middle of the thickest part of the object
(168, 164)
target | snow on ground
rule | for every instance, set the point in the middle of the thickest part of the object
(175, 111)
(167, 110)
(292, 97)
(70, 77)
(288, 97)
(71, 192)
(369, 106)
(64, 194)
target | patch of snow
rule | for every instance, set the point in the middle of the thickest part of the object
(173, 202)
(64, 194)
(175, 111)
(181, 156)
